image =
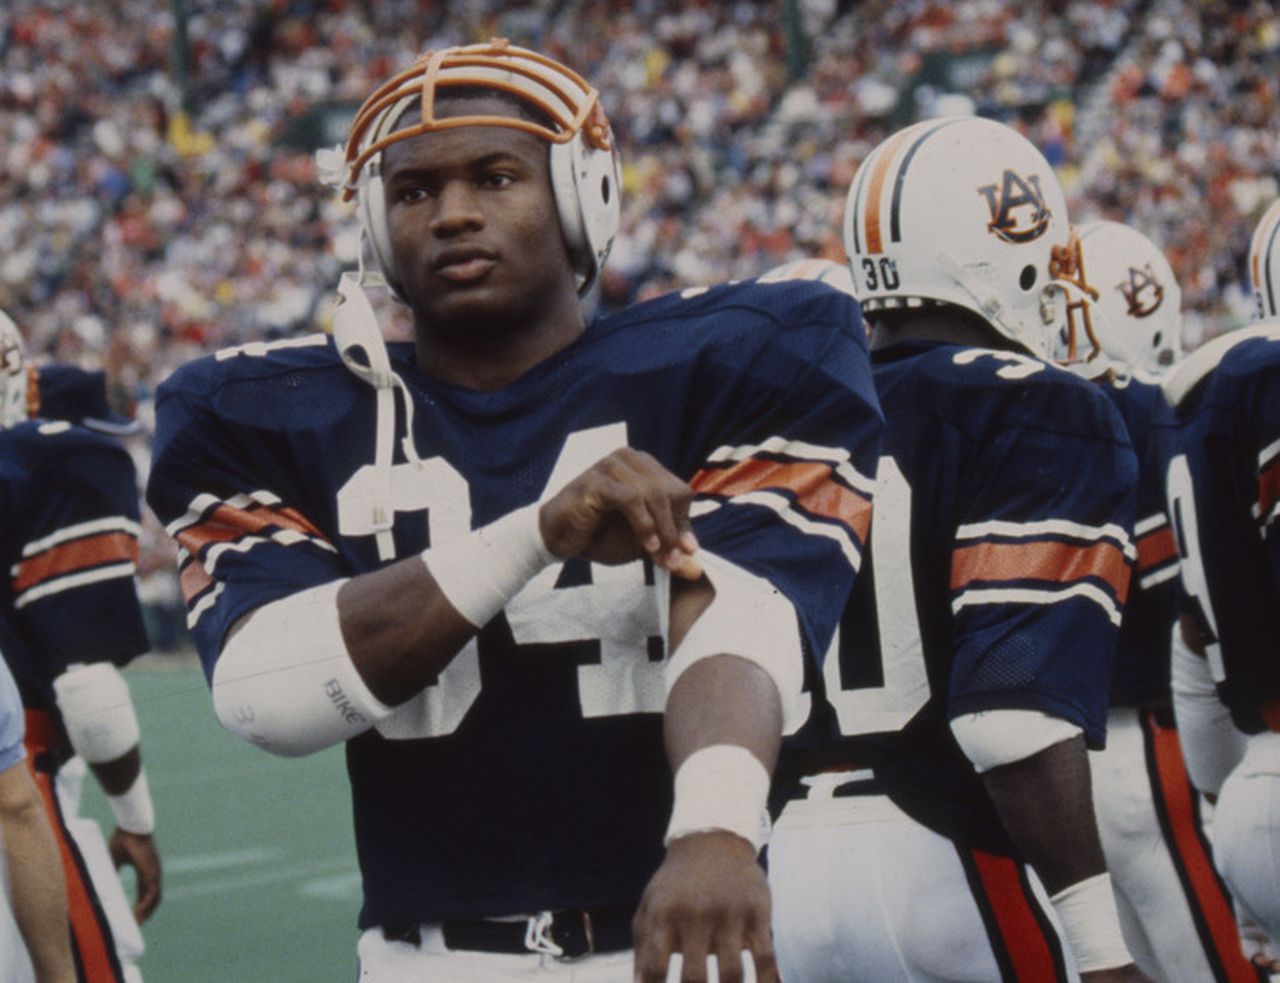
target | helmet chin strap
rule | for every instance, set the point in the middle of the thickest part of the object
(364, 353)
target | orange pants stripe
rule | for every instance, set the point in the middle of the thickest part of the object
(92, 942)
(1207, 897)
(1022, 938)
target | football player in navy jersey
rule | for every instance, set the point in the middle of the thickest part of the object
(1176, 913)
(455, 555)
(1223, 489)
(937, 821)
(69, 616)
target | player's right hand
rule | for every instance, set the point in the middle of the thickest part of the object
(139, 852)
(624, 507)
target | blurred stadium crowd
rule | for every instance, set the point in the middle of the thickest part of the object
(160, 196)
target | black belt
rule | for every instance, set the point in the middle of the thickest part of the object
(575, 933)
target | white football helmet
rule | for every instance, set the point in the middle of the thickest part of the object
(13, 374)
(1137, 318)
(1264, 264)
(585, 173)
(964, 210)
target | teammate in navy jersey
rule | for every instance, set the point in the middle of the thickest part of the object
(455, 554)
(1176, 913)
(69, 615)
(1223, 489)
(944, 757)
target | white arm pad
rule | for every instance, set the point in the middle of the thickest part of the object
(286, 682)
(1001, 737)
(1211, 744)
(97, 711)
(749, 618)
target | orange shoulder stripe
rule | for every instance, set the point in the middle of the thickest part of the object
(79, 554)
(225, 524)
(1044, 560)
(816, 491)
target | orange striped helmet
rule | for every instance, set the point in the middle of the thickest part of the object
(585, 174)
(966, 211)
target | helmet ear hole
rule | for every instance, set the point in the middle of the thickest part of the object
(1155, 341)
(1027, 280)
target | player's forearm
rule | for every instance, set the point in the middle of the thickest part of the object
(400, 629)
(35, 882)
(1045, 802)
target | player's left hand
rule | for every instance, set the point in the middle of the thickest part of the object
(709, 897)
(139, 852)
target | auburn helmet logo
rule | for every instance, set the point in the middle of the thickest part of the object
(1018, 212)
(11, 360)
(1142, 291)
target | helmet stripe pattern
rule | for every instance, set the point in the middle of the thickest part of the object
(1262, 255)
(895, 231)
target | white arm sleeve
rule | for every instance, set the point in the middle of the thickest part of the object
(749, 618)
(286, 682)
(97, 711)
(1211, 744)
(1001, 737)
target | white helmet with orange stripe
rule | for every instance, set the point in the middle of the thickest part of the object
(13, 373)
(585, 175)
(1137, 318)
(1264, 264)
(966, 211)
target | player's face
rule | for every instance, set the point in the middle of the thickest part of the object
(474, 230)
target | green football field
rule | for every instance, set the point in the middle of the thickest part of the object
(260, 880)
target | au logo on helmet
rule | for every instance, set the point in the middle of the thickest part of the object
(1009, 202)
(1142, 291)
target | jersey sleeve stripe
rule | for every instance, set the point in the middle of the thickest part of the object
(194, 579)
(1049, 561)
(811, 486)
(1027, 595)
(1268, 487)
(1155, 549)
(799, 450)
(227, 524)
(73, 580)
(1049, 527)
(71, 557)
(114, 523)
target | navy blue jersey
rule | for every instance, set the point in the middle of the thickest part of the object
(70, 546)
(1224, 493)
(1142, 656)
(532, 775)
(1000, 559)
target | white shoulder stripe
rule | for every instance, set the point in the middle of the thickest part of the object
(1268, 454)
(204, 503)
(204, 604)
(782, 506)
(1035, 595)
(837, 457)
(1151, 522)
(114, 523)
(1158, 576)
(73, 580)
(1048, 527)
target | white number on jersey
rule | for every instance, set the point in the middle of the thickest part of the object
(617, 608)
(1186, 530)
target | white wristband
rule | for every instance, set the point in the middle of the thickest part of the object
(483, 570)
(1091, 924)
(133, 810)
(721, 787)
